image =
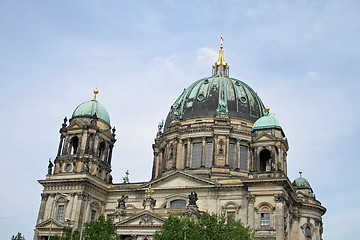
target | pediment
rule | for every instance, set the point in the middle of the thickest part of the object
(264, 137)
(47, 223)
(179, 179)
(144, 218)
(75, 125)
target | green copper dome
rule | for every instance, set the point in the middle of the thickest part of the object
(217, 95)
(89, 108)
(302, 183)
(266, 122)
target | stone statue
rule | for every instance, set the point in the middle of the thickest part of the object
(50, 167)
(65, 123)
(160, 126)
(121, 202)
(86, 166)
(192, 199)
(126, 178)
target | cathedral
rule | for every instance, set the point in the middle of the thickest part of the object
(220, 150)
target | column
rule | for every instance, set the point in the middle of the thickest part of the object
(251, 210)
(227, 151)
(279, 216)
(237, 155)
(44, 198)
(60, 144)
(110, 154)
(179, 155)
(203, 152)
(215, 150)
(175, 154)
(187, 159)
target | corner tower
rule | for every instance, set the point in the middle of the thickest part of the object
(86, 143)
(76, 190)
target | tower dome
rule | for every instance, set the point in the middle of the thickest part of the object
(217, 95)
(90, 108)
(302, 183)
(266, 122)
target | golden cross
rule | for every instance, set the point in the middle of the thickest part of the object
(149, 191)
(222, 39)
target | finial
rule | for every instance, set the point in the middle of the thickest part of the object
(96, 91)
(267, 109)
(300, 172)
(149, 191)
(221, 68)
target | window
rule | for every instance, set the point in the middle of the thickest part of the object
(230, 215)
(93, 215)
(265, 221)
(265, 156)
(101, 150)
(74, 145)
(196, 155)
(178, 204)
(243, 157)
(209, 151)
(231, 155)
(308, 232)
(60, 213)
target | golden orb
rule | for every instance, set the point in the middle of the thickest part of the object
(267, 109)
(96, 91)
(300, 172)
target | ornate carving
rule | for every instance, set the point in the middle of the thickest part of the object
(146, 220)
(250, 198)
(279, 198)
(44, 196)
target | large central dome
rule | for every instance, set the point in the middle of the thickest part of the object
(217, 95)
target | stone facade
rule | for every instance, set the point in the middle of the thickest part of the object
(230, 166)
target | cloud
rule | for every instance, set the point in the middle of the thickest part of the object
(206, 56)
(313, 76)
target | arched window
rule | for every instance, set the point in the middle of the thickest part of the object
(74, 142)
(265, 156)
(265, 221)
(196, 155)
(308, 232)
(178, 204)
(244, 157)
(101, 150)
(60, 212)
(231, 155)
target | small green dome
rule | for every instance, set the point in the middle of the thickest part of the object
(266, 122)
(302, 183)
(89, 108)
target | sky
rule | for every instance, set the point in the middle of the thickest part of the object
(301, 57)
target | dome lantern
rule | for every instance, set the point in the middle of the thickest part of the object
(221, 68)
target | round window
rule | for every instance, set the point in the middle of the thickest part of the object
(201, 97)
(243, 99)
(68, 167)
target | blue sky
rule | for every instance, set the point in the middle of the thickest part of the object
(301, 57)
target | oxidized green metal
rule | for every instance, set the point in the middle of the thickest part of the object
(302, 183)
(89, 108)
(266, 122)
(217, 95)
